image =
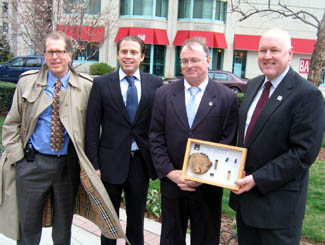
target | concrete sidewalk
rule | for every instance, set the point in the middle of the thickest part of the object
(85, 232)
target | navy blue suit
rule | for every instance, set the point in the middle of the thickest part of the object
(109, 134)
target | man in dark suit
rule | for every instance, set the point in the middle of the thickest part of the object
(173, 122)
(118, 119)
(283, 141)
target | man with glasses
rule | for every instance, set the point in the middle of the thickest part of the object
(199, 108)
(43, 137)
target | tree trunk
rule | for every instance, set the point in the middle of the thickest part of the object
(318, 57)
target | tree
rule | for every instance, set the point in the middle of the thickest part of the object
(4, 48)
(269, 8)
(32, 20)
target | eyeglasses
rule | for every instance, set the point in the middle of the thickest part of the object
(58, 53)
(186, 62)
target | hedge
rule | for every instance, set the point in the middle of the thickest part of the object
(7, 91)
(100, 69)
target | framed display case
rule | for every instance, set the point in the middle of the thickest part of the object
(213, 163)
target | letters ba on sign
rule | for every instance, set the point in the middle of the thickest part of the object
(304, 65)
(213, 163)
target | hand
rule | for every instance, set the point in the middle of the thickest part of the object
(176, 177)
(98, 172)
(189, 185)
(245, 184)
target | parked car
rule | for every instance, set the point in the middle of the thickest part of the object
(11, 70)
(238, 85)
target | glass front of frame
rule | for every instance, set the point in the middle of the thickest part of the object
(213, 163)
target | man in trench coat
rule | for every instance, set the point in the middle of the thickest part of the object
(29, 101)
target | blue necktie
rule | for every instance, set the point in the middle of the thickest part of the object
(190, 107)
(131, 98)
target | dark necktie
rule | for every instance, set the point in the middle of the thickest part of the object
(57, 129)
(131, 98)
(259, 106)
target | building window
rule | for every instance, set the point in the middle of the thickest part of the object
(239, 64)
(88, 52)
(154, 61)
(150, 8)
(4, 7)
(5, 27)
(202, 9)
(91, 7)
(216, 60)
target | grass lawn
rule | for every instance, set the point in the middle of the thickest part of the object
(314, 222)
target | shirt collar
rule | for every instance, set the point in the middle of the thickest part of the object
(202, 86)
(51, 79)
(122, 74)
(275, 82)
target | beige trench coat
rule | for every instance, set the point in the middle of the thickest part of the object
(29, 102)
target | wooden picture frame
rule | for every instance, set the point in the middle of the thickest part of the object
(213, 163)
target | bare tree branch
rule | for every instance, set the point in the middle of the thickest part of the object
(32, 20)
(247, 9)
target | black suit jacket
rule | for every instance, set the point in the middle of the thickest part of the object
(283, 144)
(216, 121)
(109, 131)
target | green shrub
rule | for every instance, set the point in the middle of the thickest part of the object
(240, 97)
(100, 69)
(7, 91)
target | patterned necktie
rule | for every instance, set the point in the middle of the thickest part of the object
(260, 104)
(131, 98)
(57, 129)
(190, 107)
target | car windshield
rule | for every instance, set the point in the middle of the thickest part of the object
(16, 62)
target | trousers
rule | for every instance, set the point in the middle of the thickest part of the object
(34, 181)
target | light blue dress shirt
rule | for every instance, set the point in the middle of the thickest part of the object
(41, 136)
(124, 87)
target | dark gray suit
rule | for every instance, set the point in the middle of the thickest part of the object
(110, 150)
(216, 121)
(283, 144)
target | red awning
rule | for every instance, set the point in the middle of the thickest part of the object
(87, 33)
(251, 42)
(148, 35)
(303, 46)
(213, 39)
(246, 42)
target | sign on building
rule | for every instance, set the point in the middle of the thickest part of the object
(304, 66)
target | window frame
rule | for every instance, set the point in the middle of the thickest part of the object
(129, 9)
(214, 18)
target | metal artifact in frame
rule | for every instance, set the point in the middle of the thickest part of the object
(213, 163)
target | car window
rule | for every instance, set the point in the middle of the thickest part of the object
(33, 62)
(220, 76)
(211, 75)
(16, 62)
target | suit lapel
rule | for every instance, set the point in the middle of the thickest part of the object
(244, 107)
(115, 90)
(278, 97)
(178, 102)
(206, 104)
(145, 87)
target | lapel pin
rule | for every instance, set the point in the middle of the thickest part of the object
(279, 98)
(210, 103)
